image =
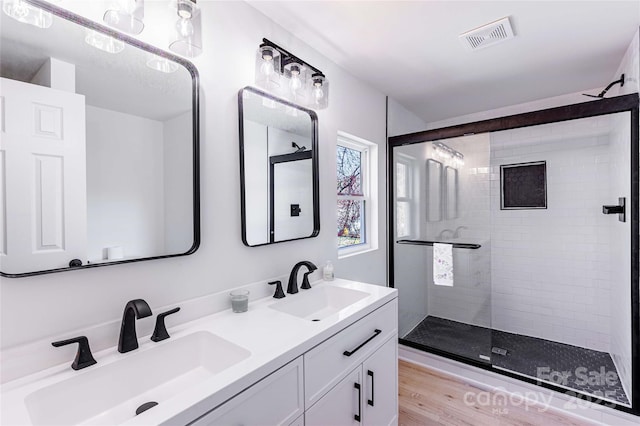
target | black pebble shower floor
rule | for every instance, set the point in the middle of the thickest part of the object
(585, 370)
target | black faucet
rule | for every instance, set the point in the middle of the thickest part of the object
(292, 288)
(137, 308)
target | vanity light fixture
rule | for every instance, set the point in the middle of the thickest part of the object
(187, 37)
(448, 153)
(126, 16)
(26, 13)
(289, 77)
(104, 42)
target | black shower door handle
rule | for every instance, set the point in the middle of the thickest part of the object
(349, 353)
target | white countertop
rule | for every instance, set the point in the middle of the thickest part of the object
(274, 338)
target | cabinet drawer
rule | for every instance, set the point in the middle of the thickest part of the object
(326, 364)
(275, 400)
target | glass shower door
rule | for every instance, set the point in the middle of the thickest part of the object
(442, 247)
(560, 267)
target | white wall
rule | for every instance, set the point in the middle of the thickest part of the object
(178, 184)
(125, 205)
(256, 167)
(66, 303)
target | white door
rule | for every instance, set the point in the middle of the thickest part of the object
(341, 406)
(43, 171)
(380, 372)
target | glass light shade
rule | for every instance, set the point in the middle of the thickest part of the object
(161, 64)
(26, 13)
(297, 86)
(319, 91)
(186, 39)
(267, 70)
(104, 42)
(126, 16)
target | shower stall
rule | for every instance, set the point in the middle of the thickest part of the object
(514, 246)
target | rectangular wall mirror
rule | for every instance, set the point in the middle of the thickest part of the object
(98, 150)
(278, 169)
(451, 192)
(434, 190)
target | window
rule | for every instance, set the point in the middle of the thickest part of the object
(356, 182)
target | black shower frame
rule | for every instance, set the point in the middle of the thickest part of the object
(625, 103)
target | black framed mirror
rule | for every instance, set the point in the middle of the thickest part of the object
(99, 149)
(278, 169)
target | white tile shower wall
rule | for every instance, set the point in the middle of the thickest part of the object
(550, 267)
(469, 300)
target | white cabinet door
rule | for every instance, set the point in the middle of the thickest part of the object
(380, 384)
(275, 400)
(43, 173)
(342, 406)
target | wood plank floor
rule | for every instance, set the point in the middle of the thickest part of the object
(428, 397)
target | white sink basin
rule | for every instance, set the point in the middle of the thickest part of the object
(319, 303)
(110, 394)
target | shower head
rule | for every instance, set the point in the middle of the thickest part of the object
(298, 147)
(606, 89)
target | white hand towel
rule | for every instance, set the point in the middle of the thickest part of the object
(443, 264)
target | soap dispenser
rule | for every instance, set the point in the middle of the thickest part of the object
(327, 271)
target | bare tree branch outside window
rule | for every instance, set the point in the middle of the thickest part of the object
(351, 204)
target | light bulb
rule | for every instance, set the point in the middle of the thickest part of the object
(295, 83)
(267, 67)
(184, 27)
(318, 94)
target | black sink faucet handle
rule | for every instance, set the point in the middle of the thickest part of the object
(83, 356)
(279, 294)
(305, 281)
(160, 332)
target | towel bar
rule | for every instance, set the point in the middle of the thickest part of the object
(430, 243)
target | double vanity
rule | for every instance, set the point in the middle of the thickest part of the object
(327, 355)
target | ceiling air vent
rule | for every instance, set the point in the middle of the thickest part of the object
(487, 35)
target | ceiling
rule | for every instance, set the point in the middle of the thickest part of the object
(410, 50)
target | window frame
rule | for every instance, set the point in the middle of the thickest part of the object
(406, 162)
(369, 184)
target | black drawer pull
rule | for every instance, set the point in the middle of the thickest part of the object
(370, 401)
(375, 333)
(357, 416)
